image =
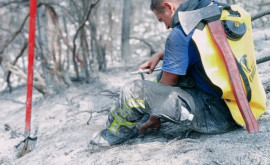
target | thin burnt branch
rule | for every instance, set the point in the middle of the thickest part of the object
(14, 63)
(76, 34)
(260, 14)
(152, 50)
(15, 34)
(5, 4)
(263, 59)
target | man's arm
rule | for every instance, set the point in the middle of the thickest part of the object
(169, 78)
(152, 62)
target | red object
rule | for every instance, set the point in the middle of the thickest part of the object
(31, 53)
(220, 39)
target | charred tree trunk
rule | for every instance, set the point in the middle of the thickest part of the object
(111, 11)
(43, 58)
(57, 73)
(92, 6)
(125, 46)
(67, 51)
(85, 59)
(101, 54)
(93, 30)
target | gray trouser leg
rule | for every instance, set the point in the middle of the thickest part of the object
(190, 107)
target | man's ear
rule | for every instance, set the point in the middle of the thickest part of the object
(168, 5)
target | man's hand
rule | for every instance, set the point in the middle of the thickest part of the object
(152, 62)
(152, 123)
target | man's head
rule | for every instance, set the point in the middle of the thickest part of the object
(164, 10)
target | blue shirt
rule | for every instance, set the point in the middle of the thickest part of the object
(181, 56)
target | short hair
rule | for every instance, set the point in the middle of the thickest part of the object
(157, 4)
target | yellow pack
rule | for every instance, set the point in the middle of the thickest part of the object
(244, 52)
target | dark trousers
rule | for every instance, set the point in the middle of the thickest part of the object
(190, 107)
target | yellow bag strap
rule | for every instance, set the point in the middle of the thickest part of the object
(226, 16)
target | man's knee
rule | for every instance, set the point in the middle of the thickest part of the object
(134, 86)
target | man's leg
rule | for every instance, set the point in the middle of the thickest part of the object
(190, 107)
(137, 101)
(211, 114)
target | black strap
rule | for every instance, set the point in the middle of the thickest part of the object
(245, 79)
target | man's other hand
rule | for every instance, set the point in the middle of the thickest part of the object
(152, 62)
(152, 123)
